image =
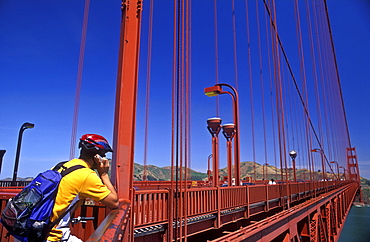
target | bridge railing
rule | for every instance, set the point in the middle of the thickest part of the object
(5, 184)
(201, 201)
(232, 197)
(152, 207)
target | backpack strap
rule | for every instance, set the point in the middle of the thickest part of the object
(65, 172)
(52, 224)
(59, 165)
(70, 169)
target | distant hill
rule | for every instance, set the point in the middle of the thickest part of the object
(155, 173)
(365, 183)
(18, 179)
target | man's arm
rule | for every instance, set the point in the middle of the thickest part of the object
(111, 201)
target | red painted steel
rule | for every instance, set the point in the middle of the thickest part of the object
(314, 220)
(114, 225)
(125, 110)
(151, 209)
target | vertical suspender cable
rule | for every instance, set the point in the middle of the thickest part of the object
(262, 88)
(317, 71)
(235, 49)
(147, 94)
(177, 114)
(269, 53)
(235, 65)
(284, 54)
(251, 91)
(173, 199)
(215, 26)
(302, 71)
(335, 82)
(187, 110)
(337, 74)
(308, 12)
(181, 114)
(278, 87)
(178, 127)
(79, 80)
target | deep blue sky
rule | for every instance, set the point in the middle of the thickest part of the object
(39, 50)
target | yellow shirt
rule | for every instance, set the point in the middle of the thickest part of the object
(76, 186)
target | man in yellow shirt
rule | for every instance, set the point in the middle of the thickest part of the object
(83, 183)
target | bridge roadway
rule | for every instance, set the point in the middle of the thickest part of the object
(304, 211)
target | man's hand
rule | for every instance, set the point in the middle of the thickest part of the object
(102, 164)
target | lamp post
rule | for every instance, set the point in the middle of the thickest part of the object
(344, 172)
(293, 155)
(209, 167)
(217, 90)
(214, 127)
(322, 162)
(229, 133)
(265, 176)
(337, 168)
(23, 128)
(2, 153)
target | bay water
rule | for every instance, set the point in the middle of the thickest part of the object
(357, 225)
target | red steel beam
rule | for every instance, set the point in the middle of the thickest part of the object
(126, 94)
(113, 226)
(311, 215)
(124, 121)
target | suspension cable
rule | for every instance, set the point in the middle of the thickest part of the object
(79, 80)
(251, 93)
(147, 93)
(216, 53)
(262, 88)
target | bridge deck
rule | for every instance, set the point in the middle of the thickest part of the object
(201, 209)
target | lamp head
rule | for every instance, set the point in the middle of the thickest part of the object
(214, 125)
(212, 91)
(293, 154)
(28, 126)
(228, 130)
(316, 150)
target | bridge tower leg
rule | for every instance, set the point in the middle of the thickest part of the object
(125, 110)
(353, 171)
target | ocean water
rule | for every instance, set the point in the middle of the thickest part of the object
(357, 225)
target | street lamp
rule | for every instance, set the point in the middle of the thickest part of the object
(322, 162)
(265, 175)
(217, 90)
(23, 128)
(229, 133)
(337, 168)
(293, 155)
(2, 153)
(214, 127)
(344, 172)
(209, 167)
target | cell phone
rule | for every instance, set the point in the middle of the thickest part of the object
(97, 156)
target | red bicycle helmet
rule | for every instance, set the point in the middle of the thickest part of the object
(95, 142)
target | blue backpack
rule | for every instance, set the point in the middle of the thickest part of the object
(27, 215)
